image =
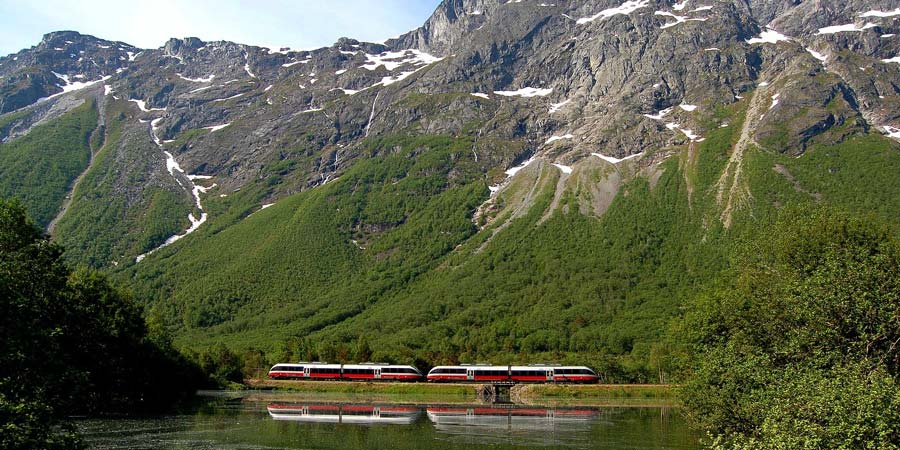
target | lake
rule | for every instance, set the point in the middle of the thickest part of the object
(260, 421)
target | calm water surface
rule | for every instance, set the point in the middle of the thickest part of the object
(257, 422)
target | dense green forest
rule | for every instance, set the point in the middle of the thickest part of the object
(40, 167)
(72, 344)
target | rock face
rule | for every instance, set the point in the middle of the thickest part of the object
(561, 81)
(62, 59)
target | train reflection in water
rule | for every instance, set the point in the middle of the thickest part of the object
(350, 414)
(451, 419)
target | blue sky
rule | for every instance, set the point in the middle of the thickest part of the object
(300, 24)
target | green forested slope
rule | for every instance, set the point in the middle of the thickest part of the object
(293, 269)
(38, 169)
(105, 221)
(422, 283)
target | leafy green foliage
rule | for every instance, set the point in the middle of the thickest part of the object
(797, 346)
(71, 342)
(40, 167)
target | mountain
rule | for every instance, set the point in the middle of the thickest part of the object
(511, 180)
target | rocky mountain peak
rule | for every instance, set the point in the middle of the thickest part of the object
(176, 46)
(450, 22)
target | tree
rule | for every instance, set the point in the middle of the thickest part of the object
(363, 349)
(797, 346)
(71, 343)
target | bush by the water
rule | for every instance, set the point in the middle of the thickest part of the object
(799, 347)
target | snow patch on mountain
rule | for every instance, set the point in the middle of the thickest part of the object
(526, 92)
(817, 55)
(392, 60)
(769, 36)
(143, 106)
(845, 28)
(687, 132)
(558, 138)
(877, 13)
(511, 172)
(623, 9)
(613, 160)
(556, 107)
(660, 115)
(564, 169)
(892, 132)
(70, 86)
(196, 80)
(215, 128)
(228, 98)
(174, 169)
(247, 65)
(678, 19)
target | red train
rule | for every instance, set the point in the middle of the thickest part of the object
(348, 372)
(536, 373)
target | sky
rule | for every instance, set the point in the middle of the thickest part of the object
(299, 24)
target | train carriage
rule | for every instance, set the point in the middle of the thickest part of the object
(348, 372)
(289, 371)
(387, 372)
(537, 373)
(473, 373)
